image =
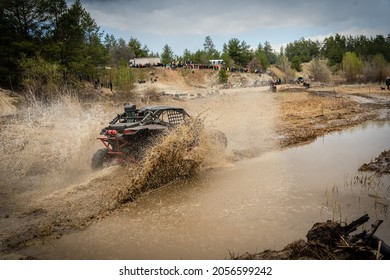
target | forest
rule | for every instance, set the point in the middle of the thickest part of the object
(56, 43)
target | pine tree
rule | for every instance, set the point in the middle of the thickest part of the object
(167, 55)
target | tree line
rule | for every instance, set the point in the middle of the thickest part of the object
(360, 55)
(49, 41)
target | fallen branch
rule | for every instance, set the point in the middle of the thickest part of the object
(354, 224)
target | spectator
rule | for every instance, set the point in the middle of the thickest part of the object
(388, 83)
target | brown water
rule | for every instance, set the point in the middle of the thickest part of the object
(251, 205)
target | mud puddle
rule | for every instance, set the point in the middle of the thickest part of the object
(261, 203)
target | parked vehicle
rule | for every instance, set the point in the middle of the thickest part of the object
(145, 62)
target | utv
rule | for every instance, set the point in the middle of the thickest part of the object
(130, 133)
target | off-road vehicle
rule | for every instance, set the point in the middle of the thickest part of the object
(129, 134)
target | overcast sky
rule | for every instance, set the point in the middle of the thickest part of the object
(185, 23)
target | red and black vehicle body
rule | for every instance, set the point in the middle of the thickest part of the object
(129, 133)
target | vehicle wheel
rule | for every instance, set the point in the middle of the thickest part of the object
(99, 158)
(218, 138)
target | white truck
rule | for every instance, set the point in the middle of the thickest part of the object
(145, 62)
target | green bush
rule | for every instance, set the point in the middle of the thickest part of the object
(223, 76)
(352, 66)
(124, 79)
(41, 80)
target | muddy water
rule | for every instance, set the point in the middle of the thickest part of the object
(251, 205)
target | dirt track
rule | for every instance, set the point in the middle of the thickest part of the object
(33, 208)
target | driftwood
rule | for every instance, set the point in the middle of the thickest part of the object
(366, 237)
(354, 224)
(331, 241)
(384, 248)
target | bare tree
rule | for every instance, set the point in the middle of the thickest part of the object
(320, 70)
(285, 66)
(375, 68)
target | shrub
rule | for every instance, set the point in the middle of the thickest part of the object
(223, 76)
(375, 68)
(285, 66)
(352, 66)
(320, 70)
(124, 79)
(41, 80)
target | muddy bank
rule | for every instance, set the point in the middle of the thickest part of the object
(305, 116)
(380, 165)
(329, 241)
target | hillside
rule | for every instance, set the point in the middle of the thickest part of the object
(189, 83)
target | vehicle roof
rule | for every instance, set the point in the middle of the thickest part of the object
(159, 107)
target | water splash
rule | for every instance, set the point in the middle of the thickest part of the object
(180, 154)
(48, 146)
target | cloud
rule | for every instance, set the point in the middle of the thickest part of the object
(232, 18)
(174, 17)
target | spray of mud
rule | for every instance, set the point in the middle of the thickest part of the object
(247, 117)
(46, 147)
(180, 154)
(184, 152)
(46, 153)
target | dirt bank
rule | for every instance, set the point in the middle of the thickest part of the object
(305, 115)
(329, 241)
(49, 189)
(380, 165)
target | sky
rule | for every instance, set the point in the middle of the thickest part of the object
(184, 24)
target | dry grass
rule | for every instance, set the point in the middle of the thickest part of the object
(374, 89)
(304, 105)
(305, 116)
